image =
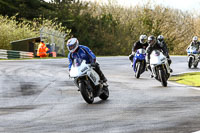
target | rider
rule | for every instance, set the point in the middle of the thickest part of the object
(137, 45)
(153, 44)
(162, 43)
(195, 43)
(79, 51)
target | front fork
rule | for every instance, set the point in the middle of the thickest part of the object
(156, 68)
(85, 79)
(167, 66)
(153, 69)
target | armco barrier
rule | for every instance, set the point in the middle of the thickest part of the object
(11, 54)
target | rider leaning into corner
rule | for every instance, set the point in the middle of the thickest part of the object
(137, 45)
(195, 43)
(79, 51)
(153, 45)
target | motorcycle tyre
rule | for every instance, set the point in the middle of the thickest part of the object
(190, 63)
(137, 73)
(84, 92)
(162, 78)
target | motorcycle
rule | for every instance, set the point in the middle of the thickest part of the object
(193, 57)
(88, 81)
(160, 67)
(139, 62)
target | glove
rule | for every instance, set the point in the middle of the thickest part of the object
(93, 64)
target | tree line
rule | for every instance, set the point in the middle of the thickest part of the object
(107, 29)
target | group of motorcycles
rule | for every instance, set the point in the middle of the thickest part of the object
(158, 64)
(90, 85)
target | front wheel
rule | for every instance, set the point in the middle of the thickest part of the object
(137, 73)
(190, 62)
(163, 78)
(86, 92)
(105, 93)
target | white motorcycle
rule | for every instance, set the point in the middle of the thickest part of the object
(88, 81)
(193, 57)
(160, 67)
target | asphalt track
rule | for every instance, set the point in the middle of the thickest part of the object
(37, 96)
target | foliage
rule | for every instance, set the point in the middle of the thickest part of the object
(108, 29)
(192, 79)
(12, 30)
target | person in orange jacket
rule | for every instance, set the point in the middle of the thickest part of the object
(42, 50)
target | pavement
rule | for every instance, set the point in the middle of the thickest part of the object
(37, 96)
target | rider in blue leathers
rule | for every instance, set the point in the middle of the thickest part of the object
(83, 52)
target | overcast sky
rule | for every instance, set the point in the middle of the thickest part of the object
(184, 5)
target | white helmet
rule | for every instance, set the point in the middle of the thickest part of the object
(72, 44)
(160, 38)
(143, 38)
(195, 39)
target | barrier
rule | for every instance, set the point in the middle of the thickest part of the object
(11, 54)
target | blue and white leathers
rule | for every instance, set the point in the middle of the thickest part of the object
(83, 53)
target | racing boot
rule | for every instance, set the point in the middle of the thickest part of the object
(103, 78)
(100, 73)
(131, 59)
(170, 70)
(131, 65)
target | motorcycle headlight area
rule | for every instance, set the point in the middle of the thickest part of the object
(157, 53)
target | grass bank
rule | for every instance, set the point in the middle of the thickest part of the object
(192, 79)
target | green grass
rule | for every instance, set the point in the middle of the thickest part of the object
(192, 79)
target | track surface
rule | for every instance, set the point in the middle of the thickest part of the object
(36, 96)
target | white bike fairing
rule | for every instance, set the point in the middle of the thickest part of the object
(193, 54)
(83, 69)
(157, 58)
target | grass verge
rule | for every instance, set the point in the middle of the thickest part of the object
(192, 79)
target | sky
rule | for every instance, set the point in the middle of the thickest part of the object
(184, 5)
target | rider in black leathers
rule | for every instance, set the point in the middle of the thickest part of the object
(153, 45)
(137, 45)
(162, 44)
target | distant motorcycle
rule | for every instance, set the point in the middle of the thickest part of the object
(193, 57)
(88, 81)
(160, 67)
(139, 62)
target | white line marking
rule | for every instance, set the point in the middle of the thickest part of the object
(191, 87)
(196, 132)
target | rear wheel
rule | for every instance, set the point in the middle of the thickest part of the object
(195, 65)
(86, 92)
(190, 62)
(137, 74)
(163, 78)
(105, 93)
